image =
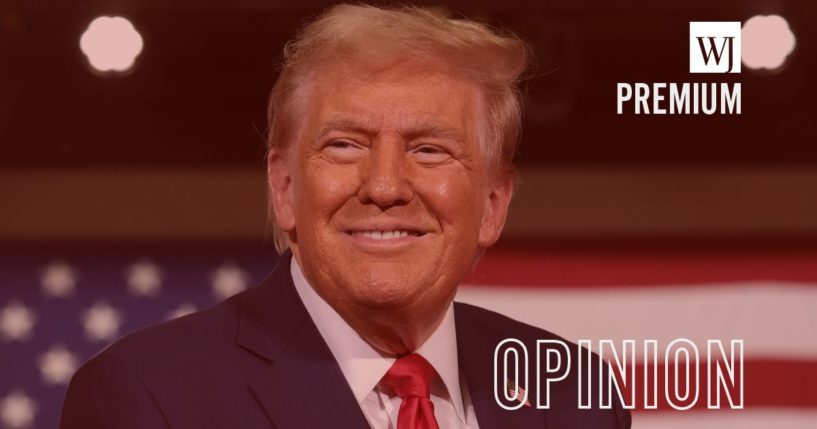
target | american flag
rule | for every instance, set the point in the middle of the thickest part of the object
(59, 306)
(766, 297)
(518, 394)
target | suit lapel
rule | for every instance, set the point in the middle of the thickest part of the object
(304, 386)
(475, 351)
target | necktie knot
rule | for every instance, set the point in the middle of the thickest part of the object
(410, 376)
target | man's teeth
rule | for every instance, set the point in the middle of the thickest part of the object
(384, 235)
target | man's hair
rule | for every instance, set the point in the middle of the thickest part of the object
(492, 59)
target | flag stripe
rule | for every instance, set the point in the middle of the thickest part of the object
(776, 418)
(542, 268)
(776, 320)
(767, 383)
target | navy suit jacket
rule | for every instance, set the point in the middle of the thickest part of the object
(258, 361)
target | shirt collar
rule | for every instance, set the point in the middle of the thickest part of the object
(362, 365)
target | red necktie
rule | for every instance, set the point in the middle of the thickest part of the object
(410, 379)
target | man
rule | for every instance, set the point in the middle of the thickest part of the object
(391, 138)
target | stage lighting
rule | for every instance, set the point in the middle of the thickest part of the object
(111, 44)
(767, 41)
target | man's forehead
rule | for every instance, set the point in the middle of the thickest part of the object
(426, 77)
(414, 98)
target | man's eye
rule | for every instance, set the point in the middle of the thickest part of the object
(342, 150)
(341, 144)
(429, 149)
(430, 154)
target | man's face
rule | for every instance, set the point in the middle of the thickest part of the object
(385, 192)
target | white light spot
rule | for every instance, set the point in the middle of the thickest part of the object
(111, 43)
(16, 322)
(17, 410)
(766, 42)
(102, 322)
(58, 280)
(144, 279)
(229, 280)
(58, 365)
(182, 310)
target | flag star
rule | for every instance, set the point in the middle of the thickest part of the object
(17, 410)
(16, 322)
(144, 279)
(58, 279)
(182, 310)
(102, 322)
(58, 365)
(229, 280)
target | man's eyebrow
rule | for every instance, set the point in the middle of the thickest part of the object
(346, 124)
(431, 129)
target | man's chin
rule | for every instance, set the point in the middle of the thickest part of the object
(384, 294)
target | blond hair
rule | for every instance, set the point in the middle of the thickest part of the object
(492, 59)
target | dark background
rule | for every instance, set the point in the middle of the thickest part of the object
(197, 94)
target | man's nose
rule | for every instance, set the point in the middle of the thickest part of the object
(385, 182)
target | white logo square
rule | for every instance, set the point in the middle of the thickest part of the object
(714, 47)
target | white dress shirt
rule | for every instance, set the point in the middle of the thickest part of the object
(363, 366)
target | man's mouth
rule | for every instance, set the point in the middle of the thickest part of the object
(386, 235)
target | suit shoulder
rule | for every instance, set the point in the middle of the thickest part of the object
(173, 338)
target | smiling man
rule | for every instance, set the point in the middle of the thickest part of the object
(392, 133)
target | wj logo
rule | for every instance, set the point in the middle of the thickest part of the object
(714, 47)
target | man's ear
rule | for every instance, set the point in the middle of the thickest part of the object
(280, 189)
(496, 210)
